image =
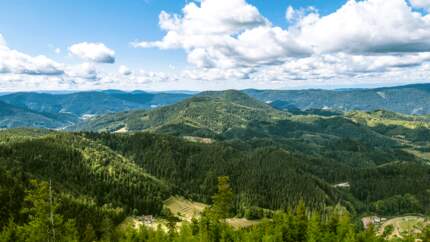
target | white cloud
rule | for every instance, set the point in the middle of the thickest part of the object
(15, 62)
(124, 70)
(366, 37)
(370, 26)
(93, 52)
(214, 74)
(363, 42)
(239, 37)
(295, 15)
(57, 50)
(86, 71)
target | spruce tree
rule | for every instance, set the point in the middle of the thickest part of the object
(223, 199)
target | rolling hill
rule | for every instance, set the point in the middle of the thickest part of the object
(62, 110)
(409, 99)
(208, 112)
(232, 114)
(13, 117)
(92, 181)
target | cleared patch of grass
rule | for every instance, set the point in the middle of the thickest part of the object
(184, 208)
(198, 139)
(239, 223)
(136, 223)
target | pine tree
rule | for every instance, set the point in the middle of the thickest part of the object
(44, 223)
(313, 229)
(223, 199)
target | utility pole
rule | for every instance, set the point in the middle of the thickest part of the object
(51, 211)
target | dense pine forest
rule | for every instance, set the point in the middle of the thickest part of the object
(290, 175)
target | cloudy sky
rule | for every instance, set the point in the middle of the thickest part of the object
(212, 44)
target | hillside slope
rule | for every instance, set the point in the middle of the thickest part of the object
(43, 110)
(82, 168)
(410, 99)
(13, 116)
(210, 113)
(92, 103)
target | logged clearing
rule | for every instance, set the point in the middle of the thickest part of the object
(198, 139)
(122, 130)
(239, 223)
(184, 208)
(404, 225)
(420, 154)
(136, 223)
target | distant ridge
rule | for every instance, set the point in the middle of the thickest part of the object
(80, 105)
(408, 99)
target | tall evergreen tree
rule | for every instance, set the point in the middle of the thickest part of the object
(44, 224)
(223, 199)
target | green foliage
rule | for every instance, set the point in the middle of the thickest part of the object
(14, 116)
(44, 223)
(223, 199)
(92, 181)
(258, 160)
(285, 226)
(213, 112)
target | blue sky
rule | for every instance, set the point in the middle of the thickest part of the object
(296, 50)
(38, 27)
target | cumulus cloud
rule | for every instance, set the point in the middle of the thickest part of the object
(214, 74)
(93, 52)
(86, 71)
(371, 26)
(15, 62)
(240, 37)
(360, 38)
(362, 42)
(20, 71)
(124, 70)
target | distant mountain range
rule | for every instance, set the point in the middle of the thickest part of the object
(61, 110)
(30, 109)
(410, 99)
(14, 116)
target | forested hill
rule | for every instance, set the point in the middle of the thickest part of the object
(232, 114)
(363, 162)
(55, 111)
(93, 182)
(209, 113)
(410, 99)
(14, 116)
(259, 146)
(102, 177)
